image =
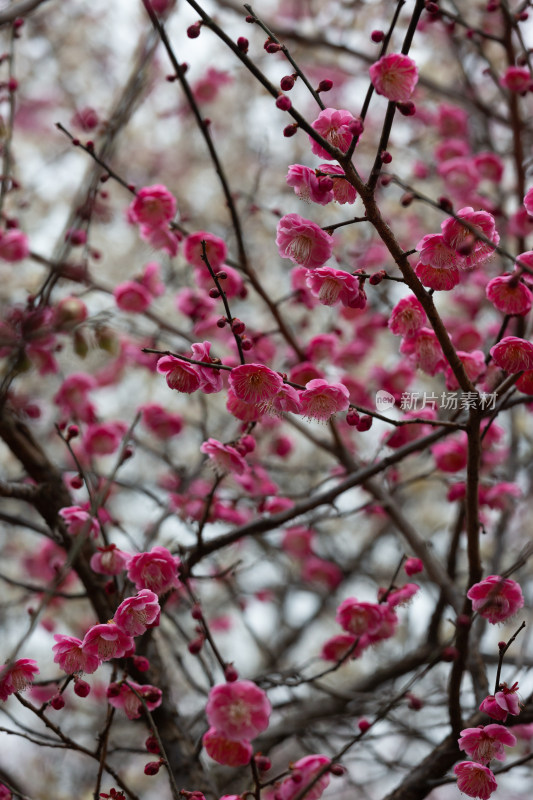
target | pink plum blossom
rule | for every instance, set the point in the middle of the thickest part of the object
(338, 647)
(109, 560)
(334, 125)
(516, 79)
(320, 399)
(72, 397)
(153, 206)
(319, 571)
(161, 422)
(496, 598)
(332, 286)
(303, 772)
(343, 191)
(474, 251)
(451, 455)
(513, 354)
(17, 676)
(475, 780)
(485, 743)
(78, 521)
(210, 377)
(413, 565)
(161, 239)
(179, 374)
(401, 596)
(71, 657)
(156, 570)
(358, 617)
(224, 457)
(136, 614)
(216, 250)
(132, 296)
(435, 252)
(474, 365)
(239, 710)
(107, 641)
(286, 401)
(424, 350)
(440, 279)
(14, 245)
(308, 186)
(246, 412)
(507, 698)
(407, 317)
(123, 695)
(298, 541)
(103, 438)
(303, 241)
(394, 76)
(492, 708)
(229, 752)
(255, 383)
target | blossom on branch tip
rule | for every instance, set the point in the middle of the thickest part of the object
(71, 657)
(407, 317)
(179, 374)
(78, 521)
(153, 206)
(303, 772)
(495, 598)
(229, 752)
(475, 780)
(122, 695)
(17, 676)
(224, 457)
(513, 354)
(308, 186)
(320, 399)
(395, 77)
(357, 617)
(107, 641)
(332, 286)
(303, 241)
(342, 189)
(255, 383)
(334, 125)
(239, 710)
(486, 743)
(156, 570)
(136, 614)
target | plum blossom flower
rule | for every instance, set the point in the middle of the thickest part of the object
(320, 399)
(334, 125)
(424, 350)
(103, 438)
(255, 383)
(358, 617)
(435, 252)
(153, 206)
(333, 285)
(109, 560)
(239, 710)
(229, 752)
(407, 317)
(394, 76)
(475, 780)
(156, 570)
(107, 641)
(160, 422)
(516, 79)
(303, 241)
(496, 598)
(343, 191)
(136, 614)
(401, 596)
(179, 375)
(451, 456)
(17, 676)
(507, 698)
(413, 565)
(71, 657)
(486, 743)
(210, 378)
(308, 186)
(286, 401)
(338, 647)
(317, 570)
(302, 773)
(224, 457)
(474, 251)
(132, 296)
(215, 247)
(513, 354)
(441, 279)
(14, 245)
(78, 521)
(122, 695)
